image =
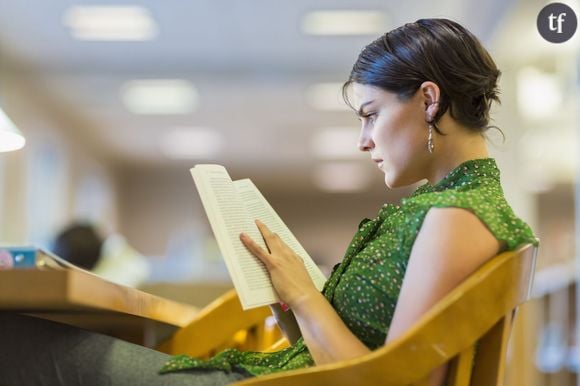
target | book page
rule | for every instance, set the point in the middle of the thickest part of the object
(228, 218)
(259, 208)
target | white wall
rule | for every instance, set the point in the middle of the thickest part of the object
(41, 184)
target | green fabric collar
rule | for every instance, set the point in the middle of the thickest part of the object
(465, 172)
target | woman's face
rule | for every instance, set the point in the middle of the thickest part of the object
(395, 133)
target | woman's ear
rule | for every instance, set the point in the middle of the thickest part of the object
(430, 94)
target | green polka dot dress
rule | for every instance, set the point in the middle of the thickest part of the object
(365, 286)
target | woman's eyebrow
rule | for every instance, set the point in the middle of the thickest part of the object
(360, 111)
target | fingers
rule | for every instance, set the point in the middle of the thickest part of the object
(277, 248)
(267, 234)
(275, 243)
(255, 249)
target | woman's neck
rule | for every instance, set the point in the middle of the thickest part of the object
(453, 150)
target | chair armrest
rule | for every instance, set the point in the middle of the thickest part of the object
(214, 326)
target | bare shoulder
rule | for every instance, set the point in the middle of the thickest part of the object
(452, 231)
(452, 242)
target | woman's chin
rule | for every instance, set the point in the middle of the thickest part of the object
(390, 182)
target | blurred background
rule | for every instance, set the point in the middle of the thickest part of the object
(118, 100)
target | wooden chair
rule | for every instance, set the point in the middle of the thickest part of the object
(469, 329)
(224, 324)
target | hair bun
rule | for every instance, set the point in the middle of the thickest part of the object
(437, 50)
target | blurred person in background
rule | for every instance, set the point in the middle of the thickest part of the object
(110, 257)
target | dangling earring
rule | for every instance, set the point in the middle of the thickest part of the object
(430, 145)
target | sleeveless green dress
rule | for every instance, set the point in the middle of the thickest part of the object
(365, 286)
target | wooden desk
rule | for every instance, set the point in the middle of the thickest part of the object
(84, 300)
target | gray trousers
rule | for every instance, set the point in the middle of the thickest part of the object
(39, 352)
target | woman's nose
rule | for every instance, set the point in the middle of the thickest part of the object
(365, 143)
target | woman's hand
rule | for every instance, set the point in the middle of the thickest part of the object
(287, 271)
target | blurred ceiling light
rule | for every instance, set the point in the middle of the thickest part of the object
(191, 143)
(110, 23)
(341, 177)
(336, 143)
(159, 96)
(326, 97)
(10, 137)
(344, 22)
(539, 93)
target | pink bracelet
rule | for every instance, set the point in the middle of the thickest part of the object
(284, 306)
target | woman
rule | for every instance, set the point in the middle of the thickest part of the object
(423, 93)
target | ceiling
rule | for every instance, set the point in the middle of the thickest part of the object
(249, 61)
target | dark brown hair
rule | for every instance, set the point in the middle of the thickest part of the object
(437, 50)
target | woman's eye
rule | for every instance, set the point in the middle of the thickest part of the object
(367, 118)
(370, 117)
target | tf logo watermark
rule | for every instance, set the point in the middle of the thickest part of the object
(557, 22)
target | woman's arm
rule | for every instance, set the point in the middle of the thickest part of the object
(327, 337)
(451, 244)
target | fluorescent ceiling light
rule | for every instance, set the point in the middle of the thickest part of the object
(539, 93)
(109, 23)
(191, 143)
(336, 143)
(341, 177)
(345, 22)
(326, 97)
(10, 137)
(159, 96)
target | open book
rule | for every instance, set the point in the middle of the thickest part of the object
(232, 207)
